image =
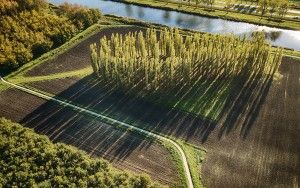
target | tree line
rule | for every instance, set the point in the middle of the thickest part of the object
(203, 2)
(263, 6)
(31, 160)
(273, 6)
(167, 60)
(30, 28)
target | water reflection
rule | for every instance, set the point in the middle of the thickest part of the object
(278, 37)
(179, 20)
(188, 21)
(167, 16)
(273, 35)
(141, 13)
(129, 10)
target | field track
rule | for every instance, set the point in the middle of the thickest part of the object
(124, 125)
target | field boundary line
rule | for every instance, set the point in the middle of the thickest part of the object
(125, 125)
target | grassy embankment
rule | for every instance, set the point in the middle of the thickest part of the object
(218, 13)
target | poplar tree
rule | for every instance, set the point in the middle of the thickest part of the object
(141, 61)
(283, 6)
(94, 58)
(263, 6)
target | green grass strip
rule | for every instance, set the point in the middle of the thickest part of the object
(178, 162)
(195, 157)
(80, 73)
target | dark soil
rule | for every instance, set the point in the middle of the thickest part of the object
(90, 93)
(269, 155)
(77, 57)
(125, 150)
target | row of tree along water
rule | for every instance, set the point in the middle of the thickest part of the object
(263, 6)
(163, 60)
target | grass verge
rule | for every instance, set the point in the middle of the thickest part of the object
(195, 157)
(3, 87)
(79, 73)
(177, 160)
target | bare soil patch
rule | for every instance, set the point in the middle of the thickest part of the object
(77, 57)
(125, 150)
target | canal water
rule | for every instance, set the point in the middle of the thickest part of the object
(278, 37)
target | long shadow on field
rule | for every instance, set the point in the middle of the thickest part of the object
(241, 106)
(242, 103)
(62, 124)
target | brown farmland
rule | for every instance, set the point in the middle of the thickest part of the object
(254, 144)
(61, 124)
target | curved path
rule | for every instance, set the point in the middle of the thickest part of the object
(125, 125)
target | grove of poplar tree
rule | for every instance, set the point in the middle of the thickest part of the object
(164, 60)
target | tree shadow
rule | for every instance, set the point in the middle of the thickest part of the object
(63, 124)
(246, 95)
(239, 105)
(244, 101)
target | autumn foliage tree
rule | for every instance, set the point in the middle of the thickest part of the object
(30, 28)
(82, 17)
(272, 6)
